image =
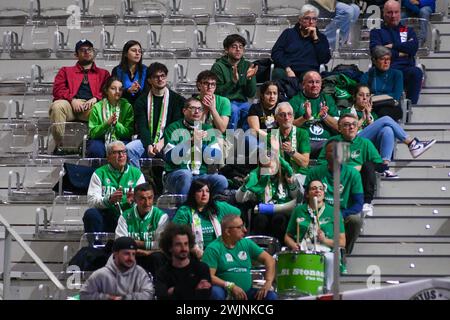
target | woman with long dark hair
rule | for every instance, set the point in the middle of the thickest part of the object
(131, 71)
(203, 214)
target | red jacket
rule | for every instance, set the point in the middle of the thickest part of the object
(68, 80)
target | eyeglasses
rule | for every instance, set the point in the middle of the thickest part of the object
(159, 76)
(349, 124)
(242, 227)
(315, 188)
(86, 50)
(384, 59)
(195, 109)
(285, 114)
(312, 19)
(117, 152)
(209, 84)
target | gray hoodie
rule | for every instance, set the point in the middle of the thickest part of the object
(133, 284)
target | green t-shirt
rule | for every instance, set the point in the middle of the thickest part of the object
(300, 143)
(361, 150)
(234, 264)
(350, 183)
(184, 216)
(177, 135)
(325, 221)
(223, 107)
(318, 130)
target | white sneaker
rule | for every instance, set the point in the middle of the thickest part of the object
(388, 174)
(418, 147)
(367, 209)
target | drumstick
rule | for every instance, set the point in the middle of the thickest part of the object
(298, 231)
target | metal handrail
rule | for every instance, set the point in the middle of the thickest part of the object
(9, 234)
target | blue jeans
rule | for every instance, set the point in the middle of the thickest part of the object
(425, 13)
(136, 151)
(412, 81)
(383, 132)
(219, 293)
(346, 15)
(95, 148)
(239, 112)
(179, 181)
(100, 220)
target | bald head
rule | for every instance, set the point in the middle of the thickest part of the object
(312, 84)
(391, 13)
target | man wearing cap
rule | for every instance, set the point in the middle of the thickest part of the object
(121, 278)
(75, 90)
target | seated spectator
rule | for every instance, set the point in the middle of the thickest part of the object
(131, 72)
(421, 9)
(230, 260)
(346, 14)
(315, 111)
(384, 80)
(273, 183)
(293, 141)
(301, 48)
(75, 90)
(217, 109)
(383, 132)
(402, 40)
(364, 157)
(121, 278)
(144, 222)
(203, 214)
(185, 277)
(235, 79)
(351, 195)
(261, 116)
(189, 148)
(316, 228)
(154, 110)
(111, 119)
(111, 190)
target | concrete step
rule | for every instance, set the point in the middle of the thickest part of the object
(411, 210)
(435, 61)
(414, 188)
(430, 113)
(438, 78)
(381, 249)
(406, 226)
(422, 172)
(439, 135)
(445, 38)
(432, 96)
(426, 265)
(403, 238)
(439, 151)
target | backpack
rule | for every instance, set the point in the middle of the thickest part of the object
(91, 258)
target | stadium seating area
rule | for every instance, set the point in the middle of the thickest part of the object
(407, 238)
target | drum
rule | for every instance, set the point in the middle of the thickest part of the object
(300, 273)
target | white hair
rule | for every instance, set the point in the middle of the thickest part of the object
(308, 8)
(283, 104)
(112, 144)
